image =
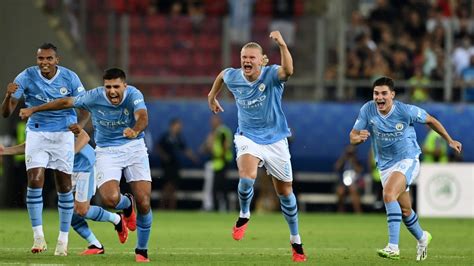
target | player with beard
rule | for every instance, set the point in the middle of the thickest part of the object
(119, 116)
(396, 151)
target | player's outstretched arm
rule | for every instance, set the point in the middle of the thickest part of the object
(286, 69)
(9, 103)
(439, 128)
(141, 118)
(211, 97)
(358, 136)
(59, 104)
(13, 150)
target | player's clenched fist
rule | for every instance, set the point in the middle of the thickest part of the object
(25, 113)
(364, 135)
(130, 133)
(11, 88)
(276, 36)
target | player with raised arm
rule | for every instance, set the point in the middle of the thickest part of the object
(396, 151)
(83, 186)
(119, 116)
(261, 136)
(49, 142)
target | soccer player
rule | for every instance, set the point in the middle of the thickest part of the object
(83, 184)
(49, 143)
(119, 116)
(396, 151)
(261, 136)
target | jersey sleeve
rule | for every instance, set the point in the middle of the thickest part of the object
(85, 100)
(361, 122)
(137, 100)
(274, 73)
(22, 81)
(77, 87)
(227, 73)
(416, 114)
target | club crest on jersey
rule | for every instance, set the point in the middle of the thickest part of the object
(399, 126)
(125, 111)
(261, 87)
(63, 91)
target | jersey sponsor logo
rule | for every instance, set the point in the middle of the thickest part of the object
(261, 87)
(43, 99)
(399, 126)
(137, 101)
(63, 91)
(112, 124)
(246, 104)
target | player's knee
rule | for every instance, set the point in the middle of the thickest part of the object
(110, 201)
(247, 173)
(81, 210)
(389, 195)
(143, 204)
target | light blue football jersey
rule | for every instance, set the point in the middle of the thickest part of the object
(393, 135)
(37, 90)
(259, 112)
(110, 120)
(84, 160)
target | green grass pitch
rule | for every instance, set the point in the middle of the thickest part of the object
(196, 238)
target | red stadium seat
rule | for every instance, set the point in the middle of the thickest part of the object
(156, 23)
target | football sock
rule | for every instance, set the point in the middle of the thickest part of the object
(34, 204)
(394, 217)
(63, 236)
(124, 203)
(290, 212)
(143, 229)
(79, 225)
(241, 221)
(295, 239)
(96, 213)
(411, 222)
(65, 208)
(245, 193)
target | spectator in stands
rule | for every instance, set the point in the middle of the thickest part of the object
(419, 86)
(240, 20)
(170, 146)
(462, 54)
(349, 170)
(467, 76)
(356, 27)
(282, 20)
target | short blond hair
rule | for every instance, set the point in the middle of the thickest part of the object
(257, 46)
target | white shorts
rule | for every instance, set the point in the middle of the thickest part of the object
(410, 168)
(275, 157)
(53, 150)
(83, 183)
(131, 159)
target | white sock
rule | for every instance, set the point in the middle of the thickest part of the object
(295, 239)
(96, 243)
(116, 219)
(244, 215)
(38, 231)
(63, 236)
(393, 246)
(423, 238)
